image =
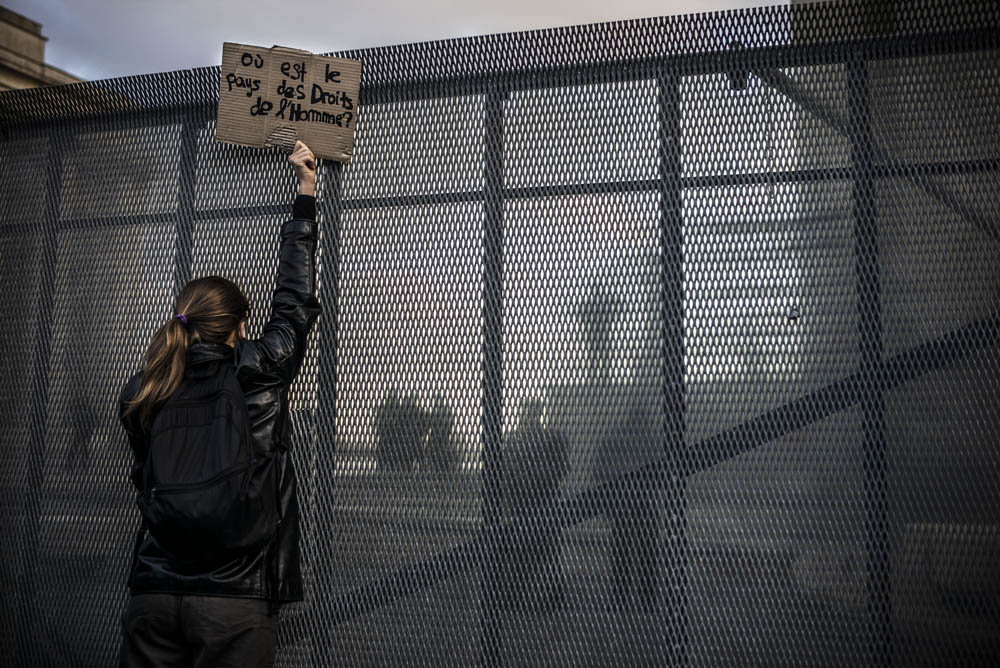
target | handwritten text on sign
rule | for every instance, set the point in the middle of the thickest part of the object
(271, 97)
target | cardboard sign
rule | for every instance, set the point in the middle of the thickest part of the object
(271, 97)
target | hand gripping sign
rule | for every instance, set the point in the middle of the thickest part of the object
(272, 97)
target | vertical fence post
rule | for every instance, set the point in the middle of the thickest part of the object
(672, 317)
(27, 623)
(492, 373)
(184, 250)
(329, 211)
(870, 342)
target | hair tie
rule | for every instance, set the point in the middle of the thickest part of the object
(182, 318)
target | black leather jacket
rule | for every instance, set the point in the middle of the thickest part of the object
(265, 368)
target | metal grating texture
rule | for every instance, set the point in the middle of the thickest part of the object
(671, 342)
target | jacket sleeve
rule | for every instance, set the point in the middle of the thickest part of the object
(294, 306)
(136, 438)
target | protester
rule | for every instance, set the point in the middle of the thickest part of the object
(208, 424)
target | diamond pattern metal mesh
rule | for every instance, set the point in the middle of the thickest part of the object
(662, 342)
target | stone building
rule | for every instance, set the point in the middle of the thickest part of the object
(22, 55)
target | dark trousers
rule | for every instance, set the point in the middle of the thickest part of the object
(196, 632)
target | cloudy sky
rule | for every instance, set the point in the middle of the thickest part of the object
(97, 39)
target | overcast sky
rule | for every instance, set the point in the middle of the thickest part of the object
(97, 39)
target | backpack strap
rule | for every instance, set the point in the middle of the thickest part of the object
(145, 468)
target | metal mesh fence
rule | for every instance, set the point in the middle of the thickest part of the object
(662, 342)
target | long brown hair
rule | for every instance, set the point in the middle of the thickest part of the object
(213, 308)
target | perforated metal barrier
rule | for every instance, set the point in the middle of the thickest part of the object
(662, 342)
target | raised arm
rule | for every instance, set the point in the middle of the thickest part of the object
(304, 162)
(294, 307)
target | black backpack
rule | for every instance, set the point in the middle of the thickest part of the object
(207, 493)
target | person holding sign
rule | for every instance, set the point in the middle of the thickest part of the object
(207, 422)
